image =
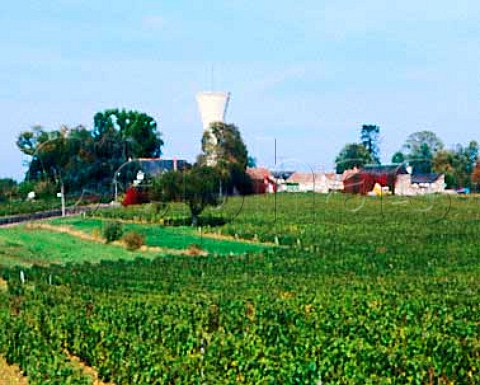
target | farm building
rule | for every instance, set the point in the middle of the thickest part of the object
(364, 180)
(262, 180)
(419, 184)
(394, 177)
(155, 166)
(314, 182)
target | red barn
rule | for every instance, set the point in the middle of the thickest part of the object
(262, 180)
(363, 181)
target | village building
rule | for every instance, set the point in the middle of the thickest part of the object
(318, 182)
(156, 166)
(419, 184)
(394, 179)
(262, 180)
(364, 180)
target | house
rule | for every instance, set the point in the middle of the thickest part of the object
(419, 184)
(334, 181)
(262, 180)
(364, 180)
(156, 166)
(319, 182)
(393, 178)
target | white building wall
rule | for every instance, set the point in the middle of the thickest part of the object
(405, 187)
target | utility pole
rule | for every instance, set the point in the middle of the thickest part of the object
(62, 192)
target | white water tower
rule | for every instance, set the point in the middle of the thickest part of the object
(212, 106)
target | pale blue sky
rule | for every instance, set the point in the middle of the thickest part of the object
(308, 73)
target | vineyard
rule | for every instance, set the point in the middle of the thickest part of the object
(344, 290)
(16, 207)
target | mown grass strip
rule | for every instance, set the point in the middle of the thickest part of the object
(178, 237)
(25, 246)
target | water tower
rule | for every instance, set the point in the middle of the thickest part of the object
(212, 106)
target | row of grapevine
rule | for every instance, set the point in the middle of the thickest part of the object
(135, 326)
(361, 297)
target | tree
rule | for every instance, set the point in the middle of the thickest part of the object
(457, 165)
(47, 150)
(476, 177)
(8, 188)
(120, 135)
(223, 148)
(413, 144)
(88, 158)
(135, 131)
(369, 137)
(28, 141)
(471, 152)
(352, 155)
(398, 157)
(443, 162)
(420, 148)
(223, 144)
(197, 188)
(81, 165)
(62, 155)
(252, 162)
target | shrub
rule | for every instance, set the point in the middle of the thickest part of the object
(134, 196)
(195, 249)
(112, 231)
(133, 240)
(45, 189)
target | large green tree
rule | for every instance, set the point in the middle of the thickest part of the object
(8, 188)
(398, 157)
(420, 149)
(197, 188)
(135, 132)
(352, 155)
(88, 158)
(120, 135)
(369, 137)
(51, 152)
(224, 149)
(457, 165)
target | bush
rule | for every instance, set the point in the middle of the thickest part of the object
(134, 196)
(112, 231)
(45, 189)
(195, 249)
(133, 240)
(24, 188)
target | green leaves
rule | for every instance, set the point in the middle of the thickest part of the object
(332, 309)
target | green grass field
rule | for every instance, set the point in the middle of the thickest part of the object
(363, 291)
(26, 247)
(178, 237)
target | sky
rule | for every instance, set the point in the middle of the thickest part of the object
(303, 74)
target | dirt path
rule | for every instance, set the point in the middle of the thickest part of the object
(88, 370)
(64, 229)
(11, 374)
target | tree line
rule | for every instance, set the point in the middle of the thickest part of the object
(78, 159)
(423, 151)
(81, 158)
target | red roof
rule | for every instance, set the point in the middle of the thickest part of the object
(259, 173)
